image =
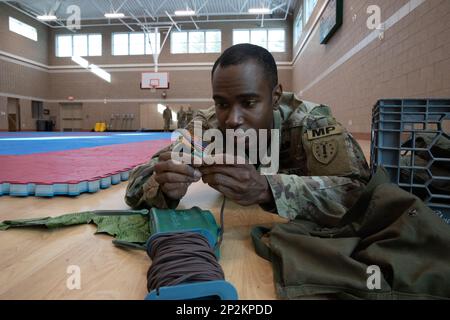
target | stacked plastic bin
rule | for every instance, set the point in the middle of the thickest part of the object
(411, 139)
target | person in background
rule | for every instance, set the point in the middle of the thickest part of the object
(167, 116)
(181, 117)
(189, 115)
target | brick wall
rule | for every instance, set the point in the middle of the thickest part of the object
(411, 61)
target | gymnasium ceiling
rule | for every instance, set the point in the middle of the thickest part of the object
(156, 12)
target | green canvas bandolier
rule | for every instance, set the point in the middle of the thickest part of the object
(129, 227)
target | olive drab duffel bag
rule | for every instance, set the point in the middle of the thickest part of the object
(388, 229)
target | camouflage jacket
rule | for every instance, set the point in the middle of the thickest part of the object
(322, 168)
(167, 114)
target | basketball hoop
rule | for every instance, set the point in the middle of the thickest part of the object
(154, 83)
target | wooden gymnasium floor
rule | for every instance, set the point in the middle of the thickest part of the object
(34, 263)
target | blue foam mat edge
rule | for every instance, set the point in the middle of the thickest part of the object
(61, 189)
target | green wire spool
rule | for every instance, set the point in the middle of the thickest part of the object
(167, 221)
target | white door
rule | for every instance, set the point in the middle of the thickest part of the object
(71, 117)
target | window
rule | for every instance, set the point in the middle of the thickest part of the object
(208, 41)
(179, 42)
(309, 7)
(64, 46)
(95, 45)
(82, 45)
(22, 28)
(241, 36)
(213, 41)
(196, 42)
(298, 26)
(152, 42)
(275, 40)
(272, 39)
(120, 44)
(259, 37)
(135, 43)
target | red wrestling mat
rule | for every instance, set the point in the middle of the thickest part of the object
(73, 167)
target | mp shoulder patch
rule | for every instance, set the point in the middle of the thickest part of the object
(324, 132)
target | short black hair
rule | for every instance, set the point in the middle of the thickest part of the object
(243, 52)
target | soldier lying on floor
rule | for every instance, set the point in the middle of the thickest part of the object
(322, 169)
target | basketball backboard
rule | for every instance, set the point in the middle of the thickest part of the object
(155, 80)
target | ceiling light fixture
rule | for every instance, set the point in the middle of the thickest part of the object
(260, 11)
(184, 13)
(114, 15)
(47, 17)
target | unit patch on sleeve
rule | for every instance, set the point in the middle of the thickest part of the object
(325, 151)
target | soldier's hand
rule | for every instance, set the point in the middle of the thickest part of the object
(240, 183)
(174, 177)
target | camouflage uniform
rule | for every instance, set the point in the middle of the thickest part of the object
(167, 116)
(181, 118)
(189, 115)
(322, 168)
